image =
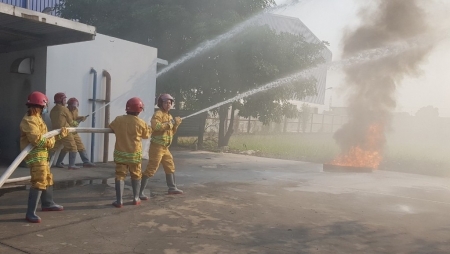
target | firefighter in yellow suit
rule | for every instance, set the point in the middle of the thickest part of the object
(60, 116)
(164, 126)
(72, 105)
(129, 130)
(32, 129)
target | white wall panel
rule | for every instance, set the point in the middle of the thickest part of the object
(133, 73)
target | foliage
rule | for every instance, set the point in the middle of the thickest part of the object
(305, 116)
(244, 63)
(247, 61)
(172, 26)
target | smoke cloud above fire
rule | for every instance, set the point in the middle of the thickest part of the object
(372, 84)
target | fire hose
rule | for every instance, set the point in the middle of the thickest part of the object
(5, 177)
(27, 150)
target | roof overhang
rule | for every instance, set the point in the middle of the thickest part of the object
(22, 29)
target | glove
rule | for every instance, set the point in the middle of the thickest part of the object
(177, 120)
(169, 124)
(63, 134)
(50, 143)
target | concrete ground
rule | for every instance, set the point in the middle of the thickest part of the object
(236, 204)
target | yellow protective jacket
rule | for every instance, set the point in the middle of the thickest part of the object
(129, 131)
(74, 115)
(61, 117)
(32, 129)
(163, 129)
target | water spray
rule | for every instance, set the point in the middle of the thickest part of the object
(102, 107)
(221, 38)
(207, 45)
(365, 56)
(105, 105)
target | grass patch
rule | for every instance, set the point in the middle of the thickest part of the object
(402, 154)
(307, 147)
(420, 156)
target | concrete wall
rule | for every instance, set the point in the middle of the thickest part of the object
(133, 72)
(14, 90)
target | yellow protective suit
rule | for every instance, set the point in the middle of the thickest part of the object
(61, 117)
(162, 136)
(32, 129)
(129, 131)
(76, 137)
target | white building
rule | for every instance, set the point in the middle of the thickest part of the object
(32, 58)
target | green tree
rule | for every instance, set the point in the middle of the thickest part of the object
(305, 116)
(172, 26)
(175, 27)
(258, 56)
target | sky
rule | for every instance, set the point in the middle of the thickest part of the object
(329, 20)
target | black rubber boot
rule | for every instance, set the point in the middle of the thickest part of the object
(170, 179)
(144, 182)
(136, 185)
(119, 193)
(47, 200)
(72, 157)
(86, 162)
(33, 200)
(61, 156)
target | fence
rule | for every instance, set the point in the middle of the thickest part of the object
(315, 123)
(35, 5)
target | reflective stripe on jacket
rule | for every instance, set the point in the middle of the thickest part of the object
(163, 129)
(129, 131)
(32, 129)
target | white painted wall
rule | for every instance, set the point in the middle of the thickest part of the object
(133, 73)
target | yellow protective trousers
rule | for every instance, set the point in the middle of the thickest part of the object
(122, 170)
(41, 177)
(68, 144)
(78, 143)
(159, 154)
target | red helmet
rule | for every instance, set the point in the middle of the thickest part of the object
(134, 105)
(73, 102)
(164, 97)
(37, 98)
(59, 97)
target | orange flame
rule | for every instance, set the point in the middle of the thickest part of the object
(369, 156)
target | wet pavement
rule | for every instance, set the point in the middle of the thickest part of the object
(235, 204)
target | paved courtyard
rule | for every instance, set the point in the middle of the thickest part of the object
(235, 204)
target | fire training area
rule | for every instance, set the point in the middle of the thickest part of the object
(235, 204)
(232, 203)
